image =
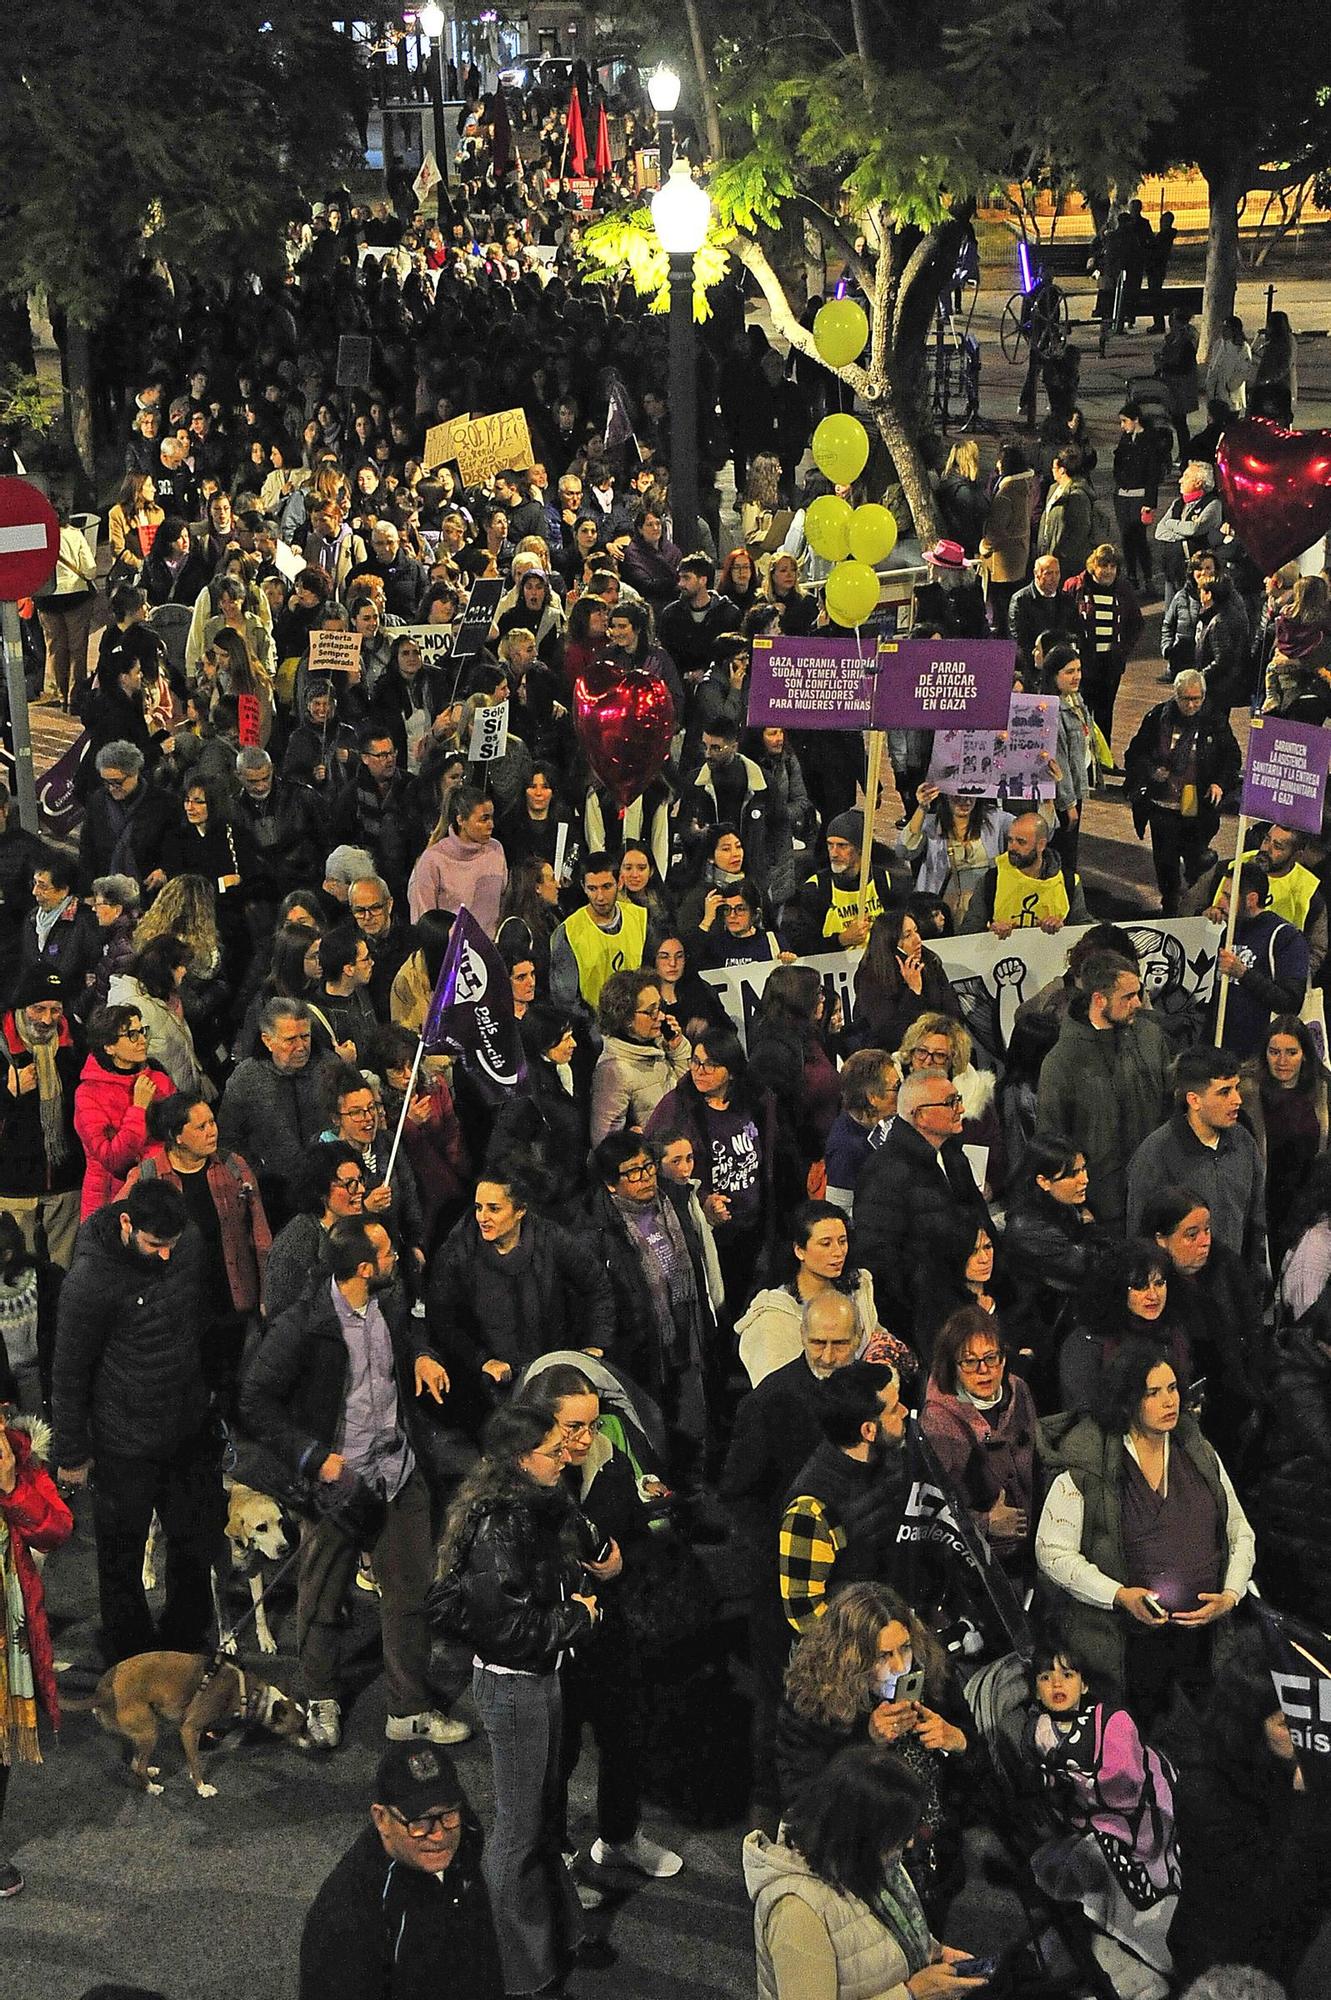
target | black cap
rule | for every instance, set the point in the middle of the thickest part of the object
(416, 1778)
(37, 985)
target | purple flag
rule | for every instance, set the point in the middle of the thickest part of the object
(618, 417)
(1285, 776)
(471, 1011)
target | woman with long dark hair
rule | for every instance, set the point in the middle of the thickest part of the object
(1127, 1297)
(1050, 1244)
(509, 1588)
(1216, 1305)
(1285, 1101)
(896, 981)
(788, 1056)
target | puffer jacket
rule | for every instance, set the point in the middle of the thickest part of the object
(517, 1581)
(630, 1080)
(127, 1377)
(111, 1126)
(1292, 1514)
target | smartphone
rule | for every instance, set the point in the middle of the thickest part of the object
(1157, 1606)
(975, 1968)
(900, 1687)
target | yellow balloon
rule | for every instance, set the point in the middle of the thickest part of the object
(873, 533)
(841, 448)
(840, 331)
(827, 526)
(851, 593)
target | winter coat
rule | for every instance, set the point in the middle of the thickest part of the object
(965, 510)
(1081, 592)
(1048, 1254)
(71, 950)
(1218, 760)
(127, 1376)
(544, 1118)
(116, 841)
(38, 1522)
(380, 1929)
(112, 1128)
(1067, 526)
(1031, 613)
(770, 1328)
(870, 1962)
(563, 1298)
(986, 1452)
(246, 1237)
(637, 1342)
(1221, 651)
(271, 1116)
(24, 1170)
(630, 1080)
(1228, 1178)
(903, 1203)
(293, 1394)
(1292, 1514)
(1007, 528)
(453, 871)
(1104, 1090)
(518, 1582)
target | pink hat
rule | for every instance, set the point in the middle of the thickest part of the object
(946, 555)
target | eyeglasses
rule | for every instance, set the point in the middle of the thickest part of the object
(593, 1429)
(974, 1363)
(350, 1186)
(948, 1103)
(421, 1829)
(368, 909)
(642, 1173)
(705, 1062)
(133, 1034)
(649, 1013)
(935, 1058)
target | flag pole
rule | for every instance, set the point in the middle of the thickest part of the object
(1239, 838)
(872, 781)
(406, 1106)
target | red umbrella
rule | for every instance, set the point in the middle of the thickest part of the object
(602, 163)
(576, 137)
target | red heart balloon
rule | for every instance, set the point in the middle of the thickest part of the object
(1276, 486)
(625, 729)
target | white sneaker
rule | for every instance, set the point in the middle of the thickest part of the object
(640, 1853)
(429, 1725)
(323, 1724)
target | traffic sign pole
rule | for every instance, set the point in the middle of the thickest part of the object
(16, 686)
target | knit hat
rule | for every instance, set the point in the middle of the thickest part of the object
(847, 826)
(37, 984)
(417, 1778)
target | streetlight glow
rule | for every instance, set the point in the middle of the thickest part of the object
(681, 211)
(430, 19)
(663, 88)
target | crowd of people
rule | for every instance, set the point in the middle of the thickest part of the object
(695, 1285)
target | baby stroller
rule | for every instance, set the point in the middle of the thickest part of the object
(1065, 1944)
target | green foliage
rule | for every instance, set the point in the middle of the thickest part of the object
(27, 403)
(625, 240)
(198, 123)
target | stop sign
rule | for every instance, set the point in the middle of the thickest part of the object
(29, 539)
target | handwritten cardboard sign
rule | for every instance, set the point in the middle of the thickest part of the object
(489, 444)
(441, 441)
(1002, 764)
(334, 652)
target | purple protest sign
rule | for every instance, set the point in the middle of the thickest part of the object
(943, 683)
(1285, 775)
(810, 684)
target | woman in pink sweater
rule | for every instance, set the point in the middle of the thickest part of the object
(466, 866)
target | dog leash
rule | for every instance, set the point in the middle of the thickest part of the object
(219, 1657)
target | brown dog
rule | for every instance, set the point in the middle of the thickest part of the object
(197, 1693)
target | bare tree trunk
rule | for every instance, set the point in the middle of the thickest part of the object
(706, 86)
(911, 470)
(78, 387)
(1225, 188)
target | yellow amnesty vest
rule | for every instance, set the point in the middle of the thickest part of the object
(599, 953)
(1025, 901)
(845, 907)
(1291, 894)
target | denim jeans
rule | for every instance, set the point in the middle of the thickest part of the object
(535, 1906)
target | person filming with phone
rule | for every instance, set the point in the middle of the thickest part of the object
(1144, 1537)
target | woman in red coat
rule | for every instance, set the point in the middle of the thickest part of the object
(111, 1103)
(32, 1517)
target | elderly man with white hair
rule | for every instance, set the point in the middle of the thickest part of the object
(1179, 766)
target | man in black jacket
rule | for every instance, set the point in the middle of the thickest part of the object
(405, 1914)
(843, 1509)
(129, 1398)
(1136, 492)
(690, 627)
(1039, 606)
(916, 1184)
(331, 1391)
(41, 1163)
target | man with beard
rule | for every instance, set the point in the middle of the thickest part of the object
(41, 1169)
(842, 1512)
(331, 1391)
(130, 1402)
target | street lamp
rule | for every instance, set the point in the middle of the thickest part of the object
(663, 90)
(681, 211)
(430, 21)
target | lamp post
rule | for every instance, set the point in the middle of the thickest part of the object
(430, 20)
(681, 211)
(663, 90)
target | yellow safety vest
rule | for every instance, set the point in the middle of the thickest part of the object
(599, 953)
(1024, 900)
(845, 907)
(1291, 894)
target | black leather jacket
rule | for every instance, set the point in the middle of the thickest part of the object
(518, 1581)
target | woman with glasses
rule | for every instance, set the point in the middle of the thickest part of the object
(509, 1589)
(332, 1190)
(980, 1420)
(117, 1085)
(644, 1054)
(612, 1494)
(1126, 1296)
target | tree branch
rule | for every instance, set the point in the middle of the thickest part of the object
(755, 261)
(836, 238)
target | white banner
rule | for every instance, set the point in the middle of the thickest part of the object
(992, 976)
(435, 641)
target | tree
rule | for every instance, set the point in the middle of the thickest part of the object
(880, 133)
(1256, 117)
(156, 127)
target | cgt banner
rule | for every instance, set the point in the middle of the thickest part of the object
(991, 977)
(1299, 1659)
(471, 1012)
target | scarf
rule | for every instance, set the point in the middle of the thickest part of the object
(667, 1271)
(897, 1904)
(46, 921)
(50, 1090)
(18, 1687)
